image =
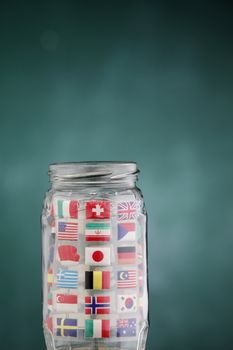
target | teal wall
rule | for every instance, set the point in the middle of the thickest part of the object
(135, 80)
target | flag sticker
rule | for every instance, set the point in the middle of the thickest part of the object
(67, 279)
(126, 231)
(67, 208)
(67, 327)
(50, 277)
(97, 256)
(97, 231)
(49, 323)
(126, 279)
(68, 254)
(127, 303)
(126, 255)
(97, 280)
(126, 327)
(98, 210)
(51, 217)
(50, 299)
(97, 305)
(67, 230)
(66, 303)
(126, 211)
(97, 328)
(51, 253)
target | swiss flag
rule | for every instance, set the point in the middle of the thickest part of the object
(98, 210)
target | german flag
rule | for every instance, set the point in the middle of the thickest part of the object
(126, 255)
(97, 280)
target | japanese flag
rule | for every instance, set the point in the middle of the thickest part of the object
(97, 256)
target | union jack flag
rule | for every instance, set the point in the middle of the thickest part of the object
(126, 211)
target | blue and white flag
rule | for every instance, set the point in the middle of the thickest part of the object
(67, 279)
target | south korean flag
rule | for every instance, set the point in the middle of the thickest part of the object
(127, 303)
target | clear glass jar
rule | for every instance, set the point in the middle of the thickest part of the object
(95, 293)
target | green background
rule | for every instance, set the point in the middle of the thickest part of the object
(123, 80)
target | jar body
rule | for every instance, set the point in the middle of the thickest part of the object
(95, 293)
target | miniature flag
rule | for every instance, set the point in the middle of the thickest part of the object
(98, 210)
(97, 280)
(67, 208)
(126, 279)
(126, 231)
(97, 305)
(140, 278)
(50, 299)
(126, 211)
(67, 279)
(97, 231)
(126, 327)
(66, 303)
(67, 231)
(51, 254)
(127, 303)
(126, 255)
(50, 277)
(67, 327)
(49, 323)
(97, 328)
(68, 254)
(51, 217)
(97, 256)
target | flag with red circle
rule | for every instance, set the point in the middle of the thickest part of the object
(127, 303)
(97, 256)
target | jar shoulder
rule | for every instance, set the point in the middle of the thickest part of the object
(85, 194)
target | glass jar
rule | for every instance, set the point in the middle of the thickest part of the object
(95, 294)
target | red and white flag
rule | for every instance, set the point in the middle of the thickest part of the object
(97, 256)
(66, 303)
(98, 210)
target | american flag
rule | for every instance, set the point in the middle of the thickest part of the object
(126, 279)
(126, 211)
(67, 231)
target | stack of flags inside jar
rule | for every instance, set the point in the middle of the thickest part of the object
(81, 278)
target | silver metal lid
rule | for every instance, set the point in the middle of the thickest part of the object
(93, 172)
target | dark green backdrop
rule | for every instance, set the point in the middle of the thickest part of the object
(133, 80)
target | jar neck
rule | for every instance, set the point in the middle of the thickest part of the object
(93, 174)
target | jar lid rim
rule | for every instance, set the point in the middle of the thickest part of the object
(112, 170)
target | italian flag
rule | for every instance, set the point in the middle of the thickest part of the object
(97, 329)
(97, 231)
(67, 209)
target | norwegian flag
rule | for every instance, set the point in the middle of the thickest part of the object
(126, 211)
(97, 305)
